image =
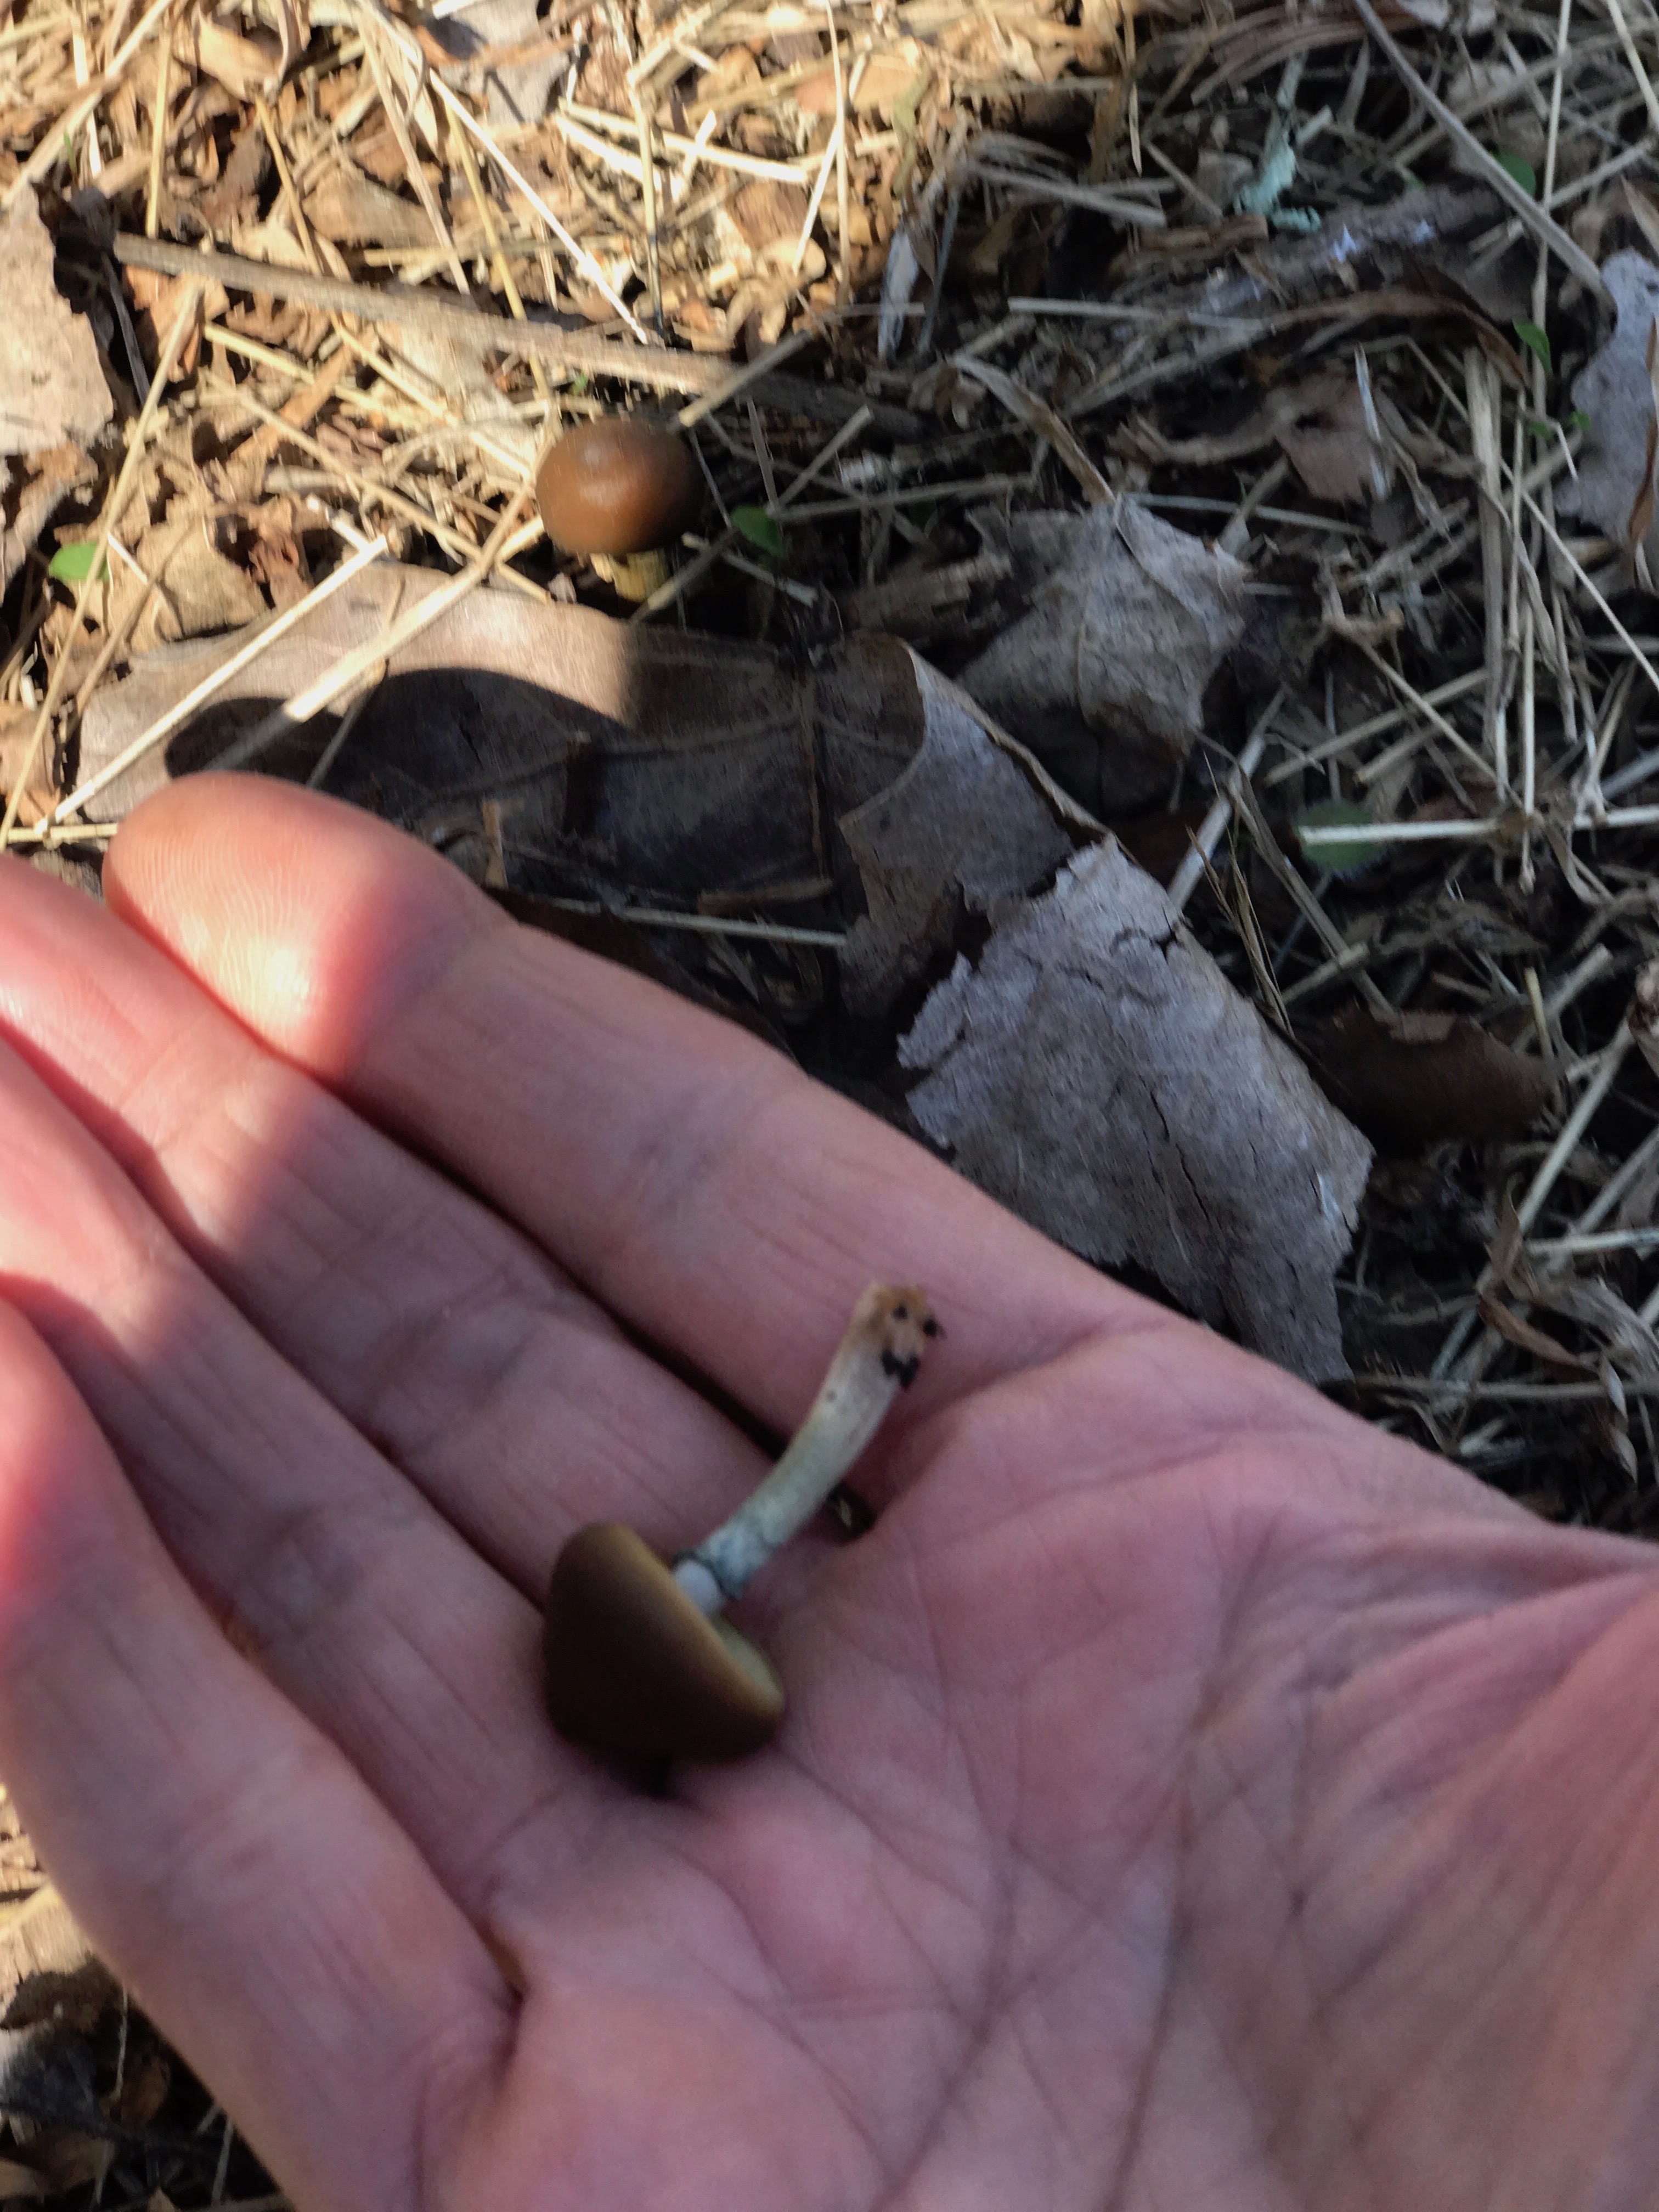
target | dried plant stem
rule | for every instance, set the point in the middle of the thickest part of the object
(642, 100)
(489, 144)
(594, 356)
(1606, 1068)
(397, 110)
(681, 580)
(1189, 876)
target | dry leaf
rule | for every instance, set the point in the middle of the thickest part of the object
(198, 589)
(352, 209)
(1335, 456)
(244, 64)
(1424, 1076)
(52, 392)
(1615, 390)
(1105, 678)
(230, 202)
(41, 1940)
(670, 763)
(33, 487)
(963, 821)
(156, 301)
(16, 741)
(1098, 1073)
(516, 92)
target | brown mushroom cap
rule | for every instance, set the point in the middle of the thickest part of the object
(629, 1665)
(617, 486)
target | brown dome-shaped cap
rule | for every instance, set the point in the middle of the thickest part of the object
(617, 486)
(629, 1665)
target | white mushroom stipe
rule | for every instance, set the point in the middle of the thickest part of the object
(876, 1359)
(636, 1660)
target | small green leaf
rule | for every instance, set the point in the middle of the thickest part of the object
(72, 564)
(1535, 340)
(578, 383)
(1539, 428)
(759, 528)
(1342, 855)
(1577, 420)
(1523, 171)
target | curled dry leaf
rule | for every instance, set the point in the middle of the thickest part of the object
(1171, 1127)
(1424, 1076)
(1104, 678)
(52, 391)
(1615, 390)
(963, 822)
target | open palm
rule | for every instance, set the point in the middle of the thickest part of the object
(1188, 1797)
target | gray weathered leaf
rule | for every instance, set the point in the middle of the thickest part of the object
(1098, 1073)
(1104, 678)
(964, 818)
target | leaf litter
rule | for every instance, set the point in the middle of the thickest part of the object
(1159, 699)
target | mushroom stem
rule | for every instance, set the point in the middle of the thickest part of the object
(876, 1359)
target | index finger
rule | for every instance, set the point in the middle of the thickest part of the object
(727, 1207)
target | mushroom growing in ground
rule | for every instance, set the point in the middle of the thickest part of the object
(636, 1657)
(617, 491)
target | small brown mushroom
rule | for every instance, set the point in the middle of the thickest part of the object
(617, 486)
(635, 1659)
(631, 1663)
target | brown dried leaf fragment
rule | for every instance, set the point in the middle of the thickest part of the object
(52, 391)
(1424, 1076)
(1098, 1073)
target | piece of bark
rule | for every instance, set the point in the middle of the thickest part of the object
(1424, 1076)
(1104, 678)
(1097, 1073)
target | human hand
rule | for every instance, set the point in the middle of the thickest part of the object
(1188, 1797)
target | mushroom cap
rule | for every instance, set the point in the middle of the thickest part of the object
(616, 485)
(629, 1665)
